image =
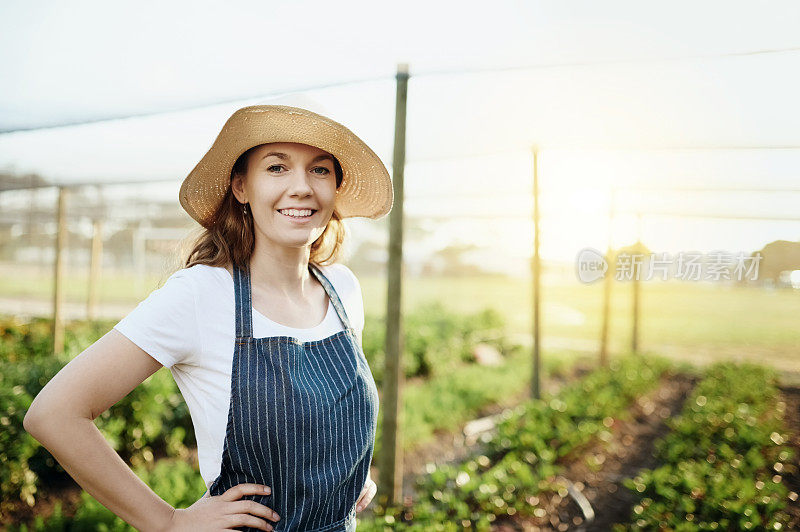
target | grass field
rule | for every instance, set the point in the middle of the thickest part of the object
(671, 312)
(696, 322)
(709, 319)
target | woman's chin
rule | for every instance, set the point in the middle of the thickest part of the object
(297, 242)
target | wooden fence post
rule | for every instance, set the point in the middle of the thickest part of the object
(390, 483)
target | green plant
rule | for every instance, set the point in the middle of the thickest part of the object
(522, 456)
(718, 458)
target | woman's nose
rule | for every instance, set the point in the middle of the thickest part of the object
(299, 183)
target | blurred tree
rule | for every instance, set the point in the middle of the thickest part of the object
(776, 258)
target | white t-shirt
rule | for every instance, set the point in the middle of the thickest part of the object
(188, 325)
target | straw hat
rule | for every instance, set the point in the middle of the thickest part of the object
(366, 188)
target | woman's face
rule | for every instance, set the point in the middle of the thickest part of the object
(288, 175)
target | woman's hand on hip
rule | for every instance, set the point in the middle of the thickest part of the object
(225, 512)
(367, 493)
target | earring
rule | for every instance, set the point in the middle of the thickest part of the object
(244, 215)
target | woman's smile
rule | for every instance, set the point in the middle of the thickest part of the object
(297, 216)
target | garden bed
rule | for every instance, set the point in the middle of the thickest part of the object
(597, 471)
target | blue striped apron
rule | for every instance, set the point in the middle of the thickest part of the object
(302, 420)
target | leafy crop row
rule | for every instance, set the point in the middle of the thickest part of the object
(722, 459)
(521, 457)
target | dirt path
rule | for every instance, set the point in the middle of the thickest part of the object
(791, 478)
(629, 450)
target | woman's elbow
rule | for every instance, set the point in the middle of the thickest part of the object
(41, 415)
(31, 421)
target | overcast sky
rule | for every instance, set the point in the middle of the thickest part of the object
(607, 90)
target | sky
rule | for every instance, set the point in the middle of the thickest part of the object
(614, 94)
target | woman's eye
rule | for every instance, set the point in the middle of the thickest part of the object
(277, 167)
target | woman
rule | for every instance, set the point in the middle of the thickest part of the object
(257, 331)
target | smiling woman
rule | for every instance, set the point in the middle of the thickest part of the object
(278, 221)
(282, 399)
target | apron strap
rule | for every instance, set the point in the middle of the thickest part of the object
(244, 302)
(244, 305)
(331, 291)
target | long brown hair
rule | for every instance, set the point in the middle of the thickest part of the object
(230, 237)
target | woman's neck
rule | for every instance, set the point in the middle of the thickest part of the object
(283, 273)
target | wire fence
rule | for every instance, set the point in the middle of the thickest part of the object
(473, 229)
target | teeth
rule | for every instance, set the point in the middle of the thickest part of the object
(296, 212)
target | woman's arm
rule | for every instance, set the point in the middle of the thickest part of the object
(61, 418)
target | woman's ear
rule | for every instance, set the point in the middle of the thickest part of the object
(237, 187)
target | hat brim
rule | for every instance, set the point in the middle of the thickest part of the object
(366, 188)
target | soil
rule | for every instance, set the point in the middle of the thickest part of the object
(791, 478)
(630, 449)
